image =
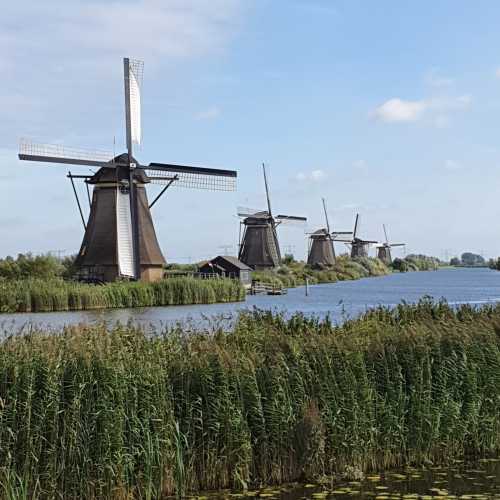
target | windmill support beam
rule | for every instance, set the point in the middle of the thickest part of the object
(88, 194)
(71, 177)
(172, 180)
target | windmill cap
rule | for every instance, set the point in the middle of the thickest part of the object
(120, 172)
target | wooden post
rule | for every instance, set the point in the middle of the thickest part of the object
(307, 287)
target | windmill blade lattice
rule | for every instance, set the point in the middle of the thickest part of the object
(250, 212)
(55, 153)
(291, 219)
(192, 177)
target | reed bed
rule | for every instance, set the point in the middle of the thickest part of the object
(113, 413)
(36, 295)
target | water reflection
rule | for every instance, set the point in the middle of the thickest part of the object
(464, 482)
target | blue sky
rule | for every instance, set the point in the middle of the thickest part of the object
(388, 108)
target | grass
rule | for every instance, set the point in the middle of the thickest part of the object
(114, 413)
(295, 273)
(36, 295)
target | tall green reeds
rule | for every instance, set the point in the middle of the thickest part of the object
(37, 295)
(101, 413)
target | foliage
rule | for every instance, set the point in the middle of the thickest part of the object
(472, 259)
(295, 273)
(416, 263)
(34, 266)
(99, 413)
(494, 264)
(469, 259)
(36, 295)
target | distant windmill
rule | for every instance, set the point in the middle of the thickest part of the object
(359, 247)
(120, 239)
(321, 248)
(259, 247)
(384, 250)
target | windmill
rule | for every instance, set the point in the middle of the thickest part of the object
(359, 247)
(120, 239)
(259, 246)
(321, 248)
(384, 250)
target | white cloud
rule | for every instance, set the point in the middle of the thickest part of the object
(55, 50)
(399, 110)
(497, 73)
(312, 176)
(208, 114)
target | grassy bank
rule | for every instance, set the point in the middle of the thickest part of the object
(416, 263)
(37, 295)
(294, 273)
(97, 413)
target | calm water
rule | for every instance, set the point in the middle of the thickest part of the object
(339, 300)
(480, 481)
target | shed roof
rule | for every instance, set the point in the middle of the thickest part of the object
(234, 261)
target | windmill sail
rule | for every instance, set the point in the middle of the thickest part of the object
(135, 84)
(124, 234)
(214, 179)
(55, 153)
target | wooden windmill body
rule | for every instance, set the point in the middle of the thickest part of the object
(321, 248)
(259, 245)
(120, 240)
(384, 250)
(359, 247)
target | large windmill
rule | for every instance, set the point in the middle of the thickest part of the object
(259, 246)
(384, 250)
(321, 248)
(359, 247)
(120, 239)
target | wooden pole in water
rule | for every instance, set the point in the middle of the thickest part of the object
(307, 287)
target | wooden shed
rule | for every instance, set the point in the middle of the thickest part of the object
(228, 267)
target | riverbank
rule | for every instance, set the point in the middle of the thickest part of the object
(96, 412)
(37, 295)
(293, 273)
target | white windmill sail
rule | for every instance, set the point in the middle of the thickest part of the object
(124, 235)
(135, 82)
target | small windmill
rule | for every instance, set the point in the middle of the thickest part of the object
(321, 248)
(259, 246)
(384, 250)
(359, 247)
(120, 239)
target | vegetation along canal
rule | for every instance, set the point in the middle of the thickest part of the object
(339, 300)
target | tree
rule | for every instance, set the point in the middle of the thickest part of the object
(472, 259)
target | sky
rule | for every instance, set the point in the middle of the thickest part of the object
(390, 109)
